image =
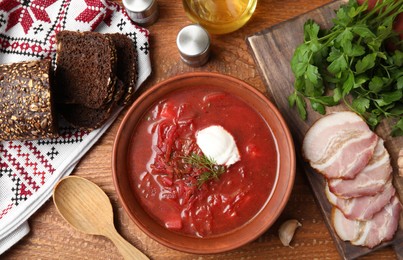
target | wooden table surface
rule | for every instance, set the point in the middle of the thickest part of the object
(52, 238)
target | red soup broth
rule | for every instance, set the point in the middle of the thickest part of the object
(168, 187)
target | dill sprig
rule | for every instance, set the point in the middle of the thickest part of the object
(211, 170)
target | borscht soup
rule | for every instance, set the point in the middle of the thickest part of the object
(202, 162)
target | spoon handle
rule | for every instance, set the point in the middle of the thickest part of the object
(127, 250)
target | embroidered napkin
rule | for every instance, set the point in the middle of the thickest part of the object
(30, 169)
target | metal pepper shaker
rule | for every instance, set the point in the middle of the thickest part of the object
(142, 12)
(193, 43)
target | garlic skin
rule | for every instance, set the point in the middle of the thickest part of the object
(287, 230)
(400, 162)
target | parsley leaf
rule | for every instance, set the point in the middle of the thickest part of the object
(352, 59)
(368, 62)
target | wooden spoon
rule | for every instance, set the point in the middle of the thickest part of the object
(87, 208)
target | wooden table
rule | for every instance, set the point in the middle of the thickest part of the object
(52, 238)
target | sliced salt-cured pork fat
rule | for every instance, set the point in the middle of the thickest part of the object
(372, 232)
(364, 207)
(347, 230)
(382, 226)
(370, 181)
(339, 145)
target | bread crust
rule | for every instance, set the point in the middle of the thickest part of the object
(126, 66)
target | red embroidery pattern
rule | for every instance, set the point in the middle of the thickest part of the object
(23, 12)
(4, 211)
(41, 158)
(18, 167)
(95, 9)
(24, 191)
(21, 46)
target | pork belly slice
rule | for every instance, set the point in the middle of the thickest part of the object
(372, 232)
(370, 181)
(346, 229)
(364, 207)
(339, 145)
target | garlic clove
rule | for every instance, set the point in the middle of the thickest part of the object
(400, 162)
(287, 230)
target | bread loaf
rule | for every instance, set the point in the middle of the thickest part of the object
(95, 74)
(26, 101)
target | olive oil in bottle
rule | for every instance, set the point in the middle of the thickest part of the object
(220, 16)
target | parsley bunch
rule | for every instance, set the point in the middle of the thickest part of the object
(351, 63)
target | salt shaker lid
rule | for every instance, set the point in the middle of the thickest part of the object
(142, 12)
(193, 43)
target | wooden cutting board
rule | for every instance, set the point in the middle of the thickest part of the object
(272, 50)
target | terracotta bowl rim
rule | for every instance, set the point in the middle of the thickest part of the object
(281, 121)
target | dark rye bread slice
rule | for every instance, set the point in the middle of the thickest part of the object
(26, 105)
(91, 118)
(85, 117)
(126, 66)
(85, 68)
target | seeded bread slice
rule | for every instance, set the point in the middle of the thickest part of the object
(126, 66)
(85, 68)
(26, 105)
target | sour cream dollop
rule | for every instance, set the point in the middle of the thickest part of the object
(217, 143)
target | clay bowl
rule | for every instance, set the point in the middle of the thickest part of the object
(255, 226)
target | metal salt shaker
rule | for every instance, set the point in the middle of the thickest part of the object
(193, 43)
(142, 12)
